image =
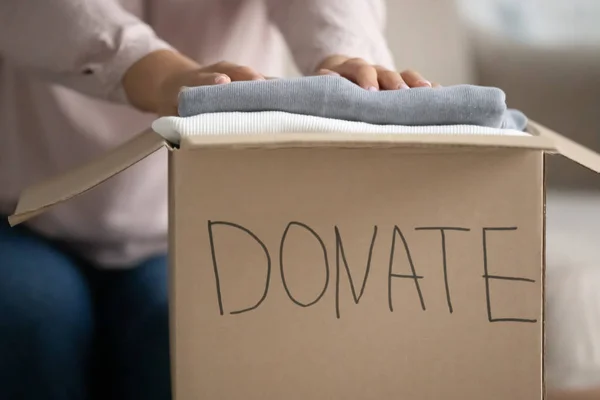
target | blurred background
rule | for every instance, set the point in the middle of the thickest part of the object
(545, 54)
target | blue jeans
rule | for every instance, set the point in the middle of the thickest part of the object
(69, 331)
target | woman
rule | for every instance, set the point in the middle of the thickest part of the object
(83, 294)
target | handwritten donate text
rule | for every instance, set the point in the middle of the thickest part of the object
(399, 248)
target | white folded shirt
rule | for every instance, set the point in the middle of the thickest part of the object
(271, 122)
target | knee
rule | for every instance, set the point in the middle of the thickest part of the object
(46, 312)
(46, 335)
(46, 327)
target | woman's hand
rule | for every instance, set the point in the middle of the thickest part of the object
(372, 77)
(153, 83)
(216, 74)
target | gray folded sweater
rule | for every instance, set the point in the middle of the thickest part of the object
(338, 98)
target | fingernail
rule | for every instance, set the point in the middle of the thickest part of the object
(332, 73)
(403, 86)
(258, 78)
(372, 89)
(424, 83)
(221, 79)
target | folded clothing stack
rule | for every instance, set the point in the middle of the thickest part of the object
(334, 104)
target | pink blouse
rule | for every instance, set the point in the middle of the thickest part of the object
(61, 100)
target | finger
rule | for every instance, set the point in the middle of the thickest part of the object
(360, 72)
(390, 80)
(171, 89)
(209, 78)
(436, 85)
(414, 79)
(327, 72)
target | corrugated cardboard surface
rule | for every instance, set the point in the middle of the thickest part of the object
(294, 330)
(44, 195)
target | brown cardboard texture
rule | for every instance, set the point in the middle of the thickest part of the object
(351, 266)
(38, 198)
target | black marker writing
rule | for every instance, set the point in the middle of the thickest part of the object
(444, 259)
(281, 247)
(487, 277)
(341, 256)
(216, 268)
(413, 275)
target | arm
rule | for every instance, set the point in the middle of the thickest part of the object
(342, 37)
(318, 29)
(99, 49)
(86, 45)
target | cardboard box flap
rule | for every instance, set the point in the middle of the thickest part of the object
(357, 140)
(568, 148)
(38, 198)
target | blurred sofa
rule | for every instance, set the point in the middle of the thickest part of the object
(559, 87)
(545, 54)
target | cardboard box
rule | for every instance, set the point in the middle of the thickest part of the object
(350, 266)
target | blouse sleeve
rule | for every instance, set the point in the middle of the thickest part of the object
(86, 45)
(316, 29)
